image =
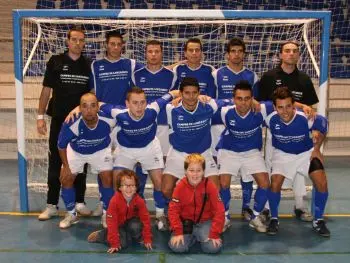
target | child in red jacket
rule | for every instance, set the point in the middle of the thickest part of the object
(196, 212)
(127, 217)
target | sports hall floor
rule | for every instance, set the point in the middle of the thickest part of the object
(24, 239)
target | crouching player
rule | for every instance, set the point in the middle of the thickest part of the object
(127, 217)
(85, 139)
(196, 212)
(294, 154)
(137, 141)
(240, 150)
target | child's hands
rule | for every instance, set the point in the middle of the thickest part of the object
(113, 250)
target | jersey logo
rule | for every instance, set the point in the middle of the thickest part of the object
(232, 122)
(101, 68)
(183, 74)
(65, 68)
(225, 78)
(156, 159)
(125, 122)
(277, 127)
(142, 79)
(278, 82)
(175, 200)
(180, 118)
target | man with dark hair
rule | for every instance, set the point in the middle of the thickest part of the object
(111, 78)
(67, 76)
(295, 154)
(239, 150)
(226, 78)
(193, 67)
(301, 86)
(189, 132)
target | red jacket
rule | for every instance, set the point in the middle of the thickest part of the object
(187, 203)
(119, 211)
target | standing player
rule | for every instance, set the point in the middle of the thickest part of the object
(300, 84)
(67, 76)
(156, 80)
(85, 140)
(189, 126)
(294, 154)
(111, 78)
(195, 68)
(240, 150)
(226, 79)
(137, 141)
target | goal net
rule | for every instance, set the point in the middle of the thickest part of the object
(44, 36)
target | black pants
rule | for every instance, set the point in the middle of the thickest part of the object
(53, 181)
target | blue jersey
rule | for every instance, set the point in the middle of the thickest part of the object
(155, 85)
(112, 80)
(294, 137)
(190, 131)
(226, 79)
(134, 133)
(83, 139)
(243, 133)
(203, 74)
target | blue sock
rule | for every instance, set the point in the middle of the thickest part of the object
(68, 196)
(260, 199)
(106, 195)
(247, 191)
(225, 195)
(142, 180)
(274, 200)
(159, 199)
(320, 204)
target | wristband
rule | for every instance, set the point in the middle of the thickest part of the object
(40, 117)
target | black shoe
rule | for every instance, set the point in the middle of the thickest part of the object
(272, 229)
(265, 215)
(247, 214)
(320, 227)
(303, 215)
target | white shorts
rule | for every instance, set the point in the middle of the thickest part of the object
(243, 163)
(98, 161)
(175, 163)
(216, 131)
(150, 157)
(289, 165)
(163, 137)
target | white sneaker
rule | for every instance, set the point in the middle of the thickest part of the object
(104, 220)
(162, 223)
(68, 220)
(82, 209)
(50, 211)
(258, 225)
(98, 210)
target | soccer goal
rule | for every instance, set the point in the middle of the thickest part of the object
(38, 34)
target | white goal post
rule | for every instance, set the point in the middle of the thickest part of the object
(40, 33)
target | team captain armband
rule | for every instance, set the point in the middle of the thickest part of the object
(175, 200)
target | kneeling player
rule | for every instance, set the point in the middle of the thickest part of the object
(196, 212)
(239, 150)
(294, 154)
(127, 217)
(86, 139)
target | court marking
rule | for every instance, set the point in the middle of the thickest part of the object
(162, 255)
(234, 216)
